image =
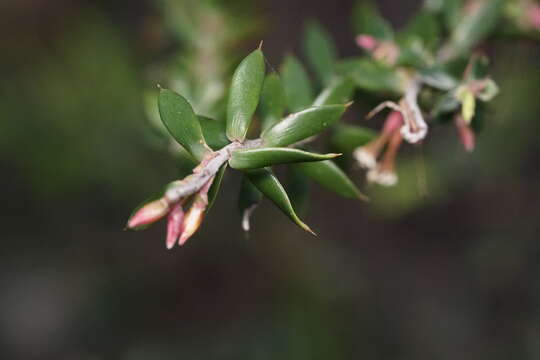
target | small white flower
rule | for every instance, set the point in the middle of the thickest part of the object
(365, 158)
(384, 178)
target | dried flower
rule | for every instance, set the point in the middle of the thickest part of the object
(385, 174)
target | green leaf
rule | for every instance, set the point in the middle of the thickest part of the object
(347, 138)
(248, 200)
(438, 79)
(263, 157)
(446, 104)
(452, 12)
(216, 185)
(273, 104)
(367, 20)
(269, 185)
(473, 27)
(330, 176)
(424, 26)
(320, 51)
(214, 132)
(301, 125)
(339, 91)
(370, 75)
(244, 95)
(298, 89)
(298, 186)
(179, 118)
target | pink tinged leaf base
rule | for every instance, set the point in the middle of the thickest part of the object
(466, 134)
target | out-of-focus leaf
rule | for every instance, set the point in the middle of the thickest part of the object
(367, 20)
(479, 67)
(346, 138)
(423, 26)
(266, 182)
(214, 132)
(438, 79)
(452, 12)
(272, 105)
(446, 104)
(301, 125)
(179, 118)
(298, 89)
(263, 157)
(248, 200)
(216, 185)
(370, 75)
(473, 27)
(298, 186)
(330, 176)
(320, 51)
(339, 91)
(244, 95)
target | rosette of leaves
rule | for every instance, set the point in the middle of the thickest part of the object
(218, 145)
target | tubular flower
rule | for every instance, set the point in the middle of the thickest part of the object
(466, 134)
(385, 173)
(367, 155)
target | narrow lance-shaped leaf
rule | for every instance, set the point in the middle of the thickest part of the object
(248, 200)
(330, 176)
(371, 75)
(298, 186)
(179, 118)
(216, 186)
(273, 102)
(302, 125)
(269, 185)
(298, 89)
(367, 20)
(339, 91)
(473, 27)
(346, 138)
(320, 52)
(263, 157)
(244, 95)
(214, 132)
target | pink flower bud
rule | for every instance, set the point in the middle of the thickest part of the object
(367, 42)
(149, 213)
(466, 134)
(393, 122)
(175, 225)
(534, 15)
(192, 222)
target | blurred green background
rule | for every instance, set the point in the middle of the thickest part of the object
(451, 275)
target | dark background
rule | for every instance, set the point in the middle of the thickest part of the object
(451, 275)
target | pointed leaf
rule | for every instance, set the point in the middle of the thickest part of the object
(320, 51)
(214, 132)
(298, 186)
(330, 176)
(367, 20)
(273, 101)
(244, 95)
(298, 89)
(473, 27)
(179, 118)
(263, 157)
(216, 185)
(346, 138)
(301, 125)
(269, 185)
(339, 91)
(371, 75)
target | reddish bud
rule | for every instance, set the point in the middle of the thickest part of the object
(175, 225)
(534, 15)
(466, 134)
(149, 213)
(367, 42)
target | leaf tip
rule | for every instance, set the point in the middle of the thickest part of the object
(260, 45)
